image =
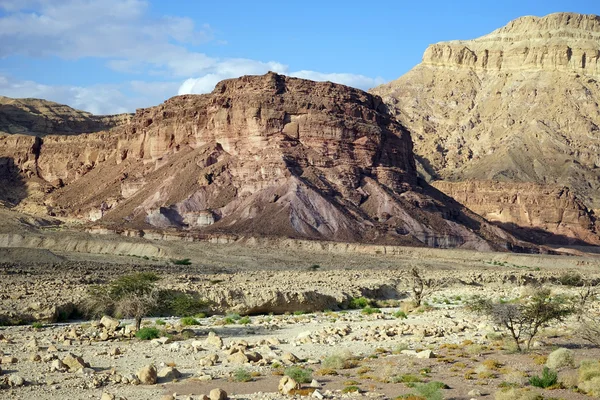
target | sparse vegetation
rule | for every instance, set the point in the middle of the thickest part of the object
(147, 333)
(370, 310)
(358, 303)
(133, 295)
(524, 319)
(242, 375)
(299, 374)
(422, 288)
(547, 379)
(182, 261)
(189, 321)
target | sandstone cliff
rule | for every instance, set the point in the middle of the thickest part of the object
(261, 155)
(43, 117)
(517, 105)
(536, 213)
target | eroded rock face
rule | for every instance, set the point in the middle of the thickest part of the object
(43, 117)
(261, 155)
(517, 105)
(543, 214)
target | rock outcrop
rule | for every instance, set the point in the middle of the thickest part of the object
(43, 117)
(543, 214)
(517, 105)
(261, 155)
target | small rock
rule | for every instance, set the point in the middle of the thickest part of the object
(474, 393)
(35, 358)
(287, 384)
(169, 373)
(8, 360)
(15, 381)
(57, 366)
(115, 352)
(315, 384)
(238, 358)
(167, 397)
(111, 324)
(147, 375)
(316, 394)
(425, 354)
(213, 340)
(289, 358)
(217, 394)
(107, 396)
(74, 362)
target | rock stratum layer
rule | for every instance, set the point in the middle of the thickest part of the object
(42, 117)
(535, 213)
(517, 105)
(261, 155)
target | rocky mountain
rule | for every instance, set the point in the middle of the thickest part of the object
(43, 117)
(261, 155)
(517, 105)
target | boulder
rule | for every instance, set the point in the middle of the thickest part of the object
(287, 384)
(110, 323)
(168, 374)
(148, 375)
(218, 394)
(74, 363)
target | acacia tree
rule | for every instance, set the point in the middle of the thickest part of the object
(130, 296)
(523, 320)
(422, 288)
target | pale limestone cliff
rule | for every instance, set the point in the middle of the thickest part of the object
(517, 105)
(42, 117)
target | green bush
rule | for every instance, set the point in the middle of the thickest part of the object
(147, 333)
(241, 375)
(351, 389)
(571, 278)
(370, 310)
(181, 304)
(299, 374)
(340, 360)
(400, 314)
(244, 320)
(357, 303)
(548, 378)
(37, 325)
(429, 391)
(160, 322)
(189, 321)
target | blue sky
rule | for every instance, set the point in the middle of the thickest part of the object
(108, 56)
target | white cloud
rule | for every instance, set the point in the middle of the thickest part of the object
(354, 80)
(236, 68)
(97, 99)
(128, 39)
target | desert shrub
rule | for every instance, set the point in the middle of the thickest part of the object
(370, 310)
(160, 322)
(314, 267)
(409, 379)
(339, 360)
(299, 374)
(589, 370)
(517, 394)
(326, 371)
(492, 364)
(523, 320)
(591, 387)
(548, 378)
(244, 320)
(133, 295)
(181, 304)
(560, 358)
(147, 333)
(429, 391)
(351, 389)
(189, 321)
(182, 261)
(241, 375)
(590, 331)
(37, 325)
(400, 314)
(571, 278)
(359, 302)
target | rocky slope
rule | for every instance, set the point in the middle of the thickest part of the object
(536, 213)
(43, 117)
(261, 155)
(517, 105)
